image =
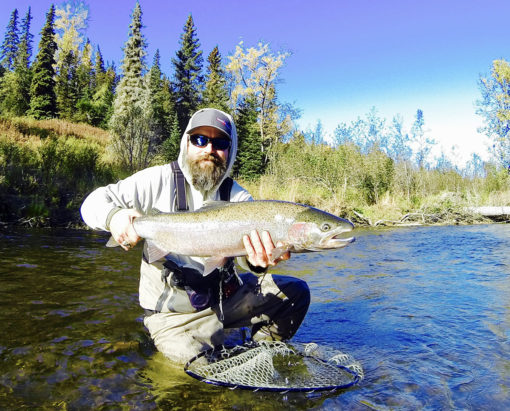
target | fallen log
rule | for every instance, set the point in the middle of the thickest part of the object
(489, 211)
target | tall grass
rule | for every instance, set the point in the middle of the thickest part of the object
(44, 174)
(372, 186)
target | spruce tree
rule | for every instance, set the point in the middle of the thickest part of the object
(215, 92)
(103, 94)
(188, 79)
(84, 83)
(161, 100)
(25, 46)
(43, 103)
(15, 85)
(24, 53)
(99, 70)
(10, 44)
(131, 91)
(250, 158)
(155, 86)
(66, 86)
(131, 122)
(170, 147)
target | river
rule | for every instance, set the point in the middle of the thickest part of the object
(425, 310)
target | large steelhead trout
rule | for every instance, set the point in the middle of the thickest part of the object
(216, 230)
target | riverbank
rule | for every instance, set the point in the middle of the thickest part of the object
(375, 217)
(445, 208)
(48, 167)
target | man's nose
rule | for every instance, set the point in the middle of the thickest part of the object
(209, 147)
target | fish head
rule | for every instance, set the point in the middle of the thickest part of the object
(316, 230)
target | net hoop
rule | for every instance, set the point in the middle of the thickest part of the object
(221, 354)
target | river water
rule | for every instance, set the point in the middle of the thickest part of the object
(425, 310)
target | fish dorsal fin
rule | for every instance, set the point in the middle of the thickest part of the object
(212, 204)
(154, 251)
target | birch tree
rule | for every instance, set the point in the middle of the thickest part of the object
(494, 107)
(254, 74)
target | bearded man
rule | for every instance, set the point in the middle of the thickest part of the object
(186, 311)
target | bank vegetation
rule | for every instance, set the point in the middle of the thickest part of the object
(47, 167)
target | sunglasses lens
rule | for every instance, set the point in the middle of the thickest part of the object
(198, 140)
(221, 143)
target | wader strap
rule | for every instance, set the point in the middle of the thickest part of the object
(180, 187)
(225, 188)
(164, 277)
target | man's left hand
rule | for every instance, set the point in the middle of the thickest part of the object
(260, 248)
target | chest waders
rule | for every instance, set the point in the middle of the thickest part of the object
(202, 292)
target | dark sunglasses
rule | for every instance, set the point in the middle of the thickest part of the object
(218, 143)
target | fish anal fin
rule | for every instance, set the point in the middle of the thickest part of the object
(154, 252)
(212, 263)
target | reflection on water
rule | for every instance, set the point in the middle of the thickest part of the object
(425, 310)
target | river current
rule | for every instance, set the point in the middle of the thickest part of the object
(425, 310)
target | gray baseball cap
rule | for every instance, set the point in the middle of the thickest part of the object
(212, 118)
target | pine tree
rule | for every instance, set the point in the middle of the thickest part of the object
(9, 47)
(215, 92)
(188, 79)
(131, 122)
(43, 103)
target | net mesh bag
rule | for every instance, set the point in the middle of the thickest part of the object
(276, 366)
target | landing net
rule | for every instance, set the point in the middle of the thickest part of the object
(276, 366)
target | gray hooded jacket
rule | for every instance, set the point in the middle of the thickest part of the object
(153, 190)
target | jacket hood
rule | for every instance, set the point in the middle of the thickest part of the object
(184, 149)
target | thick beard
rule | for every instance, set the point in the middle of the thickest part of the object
(205, 175)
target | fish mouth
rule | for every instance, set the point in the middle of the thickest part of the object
(338, 238)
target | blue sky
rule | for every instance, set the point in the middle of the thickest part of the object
(346, 56)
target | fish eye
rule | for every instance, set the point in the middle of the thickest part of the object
(325, 227)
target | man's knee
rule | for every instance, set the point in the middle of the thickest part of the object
(294, 289)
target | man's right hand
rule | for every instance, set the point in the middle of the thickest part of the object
(121, 228)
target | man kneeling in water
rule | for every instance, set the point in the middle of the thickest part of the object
(187, 312)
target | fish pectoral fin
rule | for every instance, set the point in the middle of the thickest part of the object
(212, 263)
(279, 251)
(154, 252)
(112, 243)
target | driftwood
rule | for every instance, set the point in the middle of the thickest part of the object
(489, 211)
(421, 218)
